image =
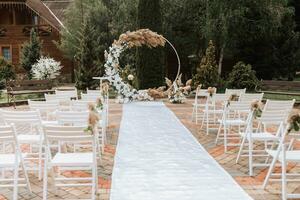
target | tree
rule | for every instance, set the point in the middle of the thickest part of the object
(207, 72)
(87, 57)
(75, 17)
(30, 53)
(150, 62)
(242, 76)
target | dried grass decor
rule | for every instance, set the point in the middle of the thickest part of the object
(232, 97)
(141, 37)
(256, 108)
(211, 91)
(93, 119)
(294, 122)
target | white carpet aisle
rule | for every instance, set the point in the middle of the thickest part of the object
(157, 158)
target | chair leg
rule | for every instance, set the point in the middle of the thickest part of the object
(225, 139)
(196, 115)
(16, 176)
(26, 176)
(207, 122)
(40, 160)
(283, 176)
(45, 178)
(250, 149)
(93, 183)
(193, 114)
(53, 180)
(270, 170)
(218, 134)
(241, 149)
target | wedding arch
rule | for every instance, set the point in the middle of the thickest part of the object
(126, 41)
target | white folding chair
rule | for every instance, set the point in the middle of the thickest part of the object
(71, 94)
(11, 159)
(202, 100)
(30, 133)
(47, 109)
(70, 160)
(284, 153)
(273, 115)
(235, 114)
(213, 111)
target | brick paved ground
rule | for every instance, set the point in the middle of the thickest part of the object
(183, 111)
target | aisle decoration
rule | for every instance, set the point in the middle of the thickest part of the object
(177, 91)
(211, 91)
(126, 92)
(232, 97)
(93, 119)
(256, 108)
(294, 122)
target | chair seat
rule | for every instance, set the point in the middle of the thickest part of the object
(293, 156)
(214, 111)
(263, 136)
(28, 138)
(8, 160)
(72, 159)
(44, 122)
(232, 121)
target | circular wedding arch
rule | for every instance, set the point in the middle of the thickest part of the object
(126, 41)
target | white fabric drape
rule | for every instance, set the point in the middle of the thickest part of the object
(157, 158)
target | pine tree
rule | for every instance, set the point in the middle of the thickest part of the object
(207, 72)
(150, 69)
(87, 57)
(30, 53)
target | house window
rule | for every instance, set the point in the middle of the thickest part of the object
(6, 52)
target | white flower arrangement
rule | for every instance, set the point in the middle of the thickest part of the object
(125, 92)
(46, 68)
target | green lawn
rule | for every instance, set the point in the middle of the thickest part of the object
(281, 97)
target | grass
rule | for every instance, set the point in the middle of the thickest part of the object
(281, 97)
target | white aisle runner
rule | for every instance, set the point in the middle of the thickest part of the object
(157, 158)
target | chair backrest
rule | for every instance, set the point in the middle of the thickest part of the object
(21, 117)
(8, 137)
(251, 97)
(276, 112)
(72, 118)
(244, 106)
(54, 97)
(80, 105)
(90, 97)
(7, 134)
(70, 135)
(67, 93)
(279, 105)
(238, 92)
(96, 92)
(220, 98)
(43, 106)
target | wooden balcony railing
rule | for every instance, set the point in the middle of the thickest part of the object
(41, 30)
(2, 31)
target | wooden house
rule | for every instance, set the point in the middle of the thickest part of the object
(18, 17)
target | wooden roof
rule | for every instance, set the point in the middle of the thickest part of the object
(44, 12)
(52, 11)
(58, 7)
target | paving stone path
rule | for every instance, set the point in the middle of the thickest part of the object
(252, 185)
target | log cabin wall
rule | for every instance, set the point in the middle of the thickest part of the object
(15, 25)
